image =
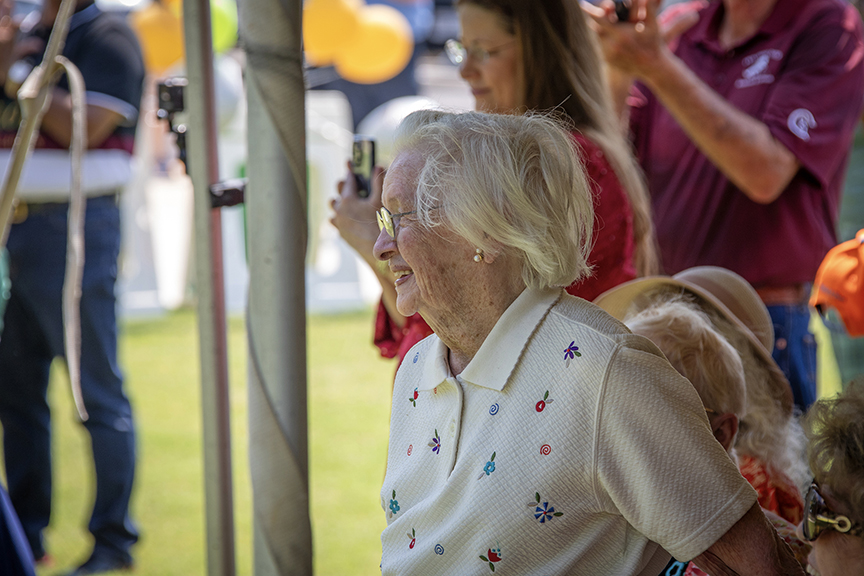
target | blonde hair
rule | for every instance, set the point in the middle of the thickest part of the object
(697, 351)
(835, 429)
(505, 181)
(563, 70)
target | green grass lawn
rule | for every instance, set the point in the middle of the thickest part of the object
(349, 390)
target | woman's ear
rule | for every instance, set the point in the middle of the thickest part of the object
(725, 428)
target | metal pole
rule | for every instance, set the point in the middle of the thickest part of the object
(203, 168)
(276, 320)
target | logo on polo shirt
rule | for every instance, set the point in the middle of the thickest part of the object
(756, 66)
(800, 122)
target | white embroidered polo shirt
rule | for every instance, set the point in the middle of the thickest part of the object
(566, 446)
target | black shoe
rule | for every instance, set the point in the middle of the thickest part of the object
(100, 564)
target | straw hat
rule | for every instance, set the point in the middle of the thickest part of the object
(730, 295)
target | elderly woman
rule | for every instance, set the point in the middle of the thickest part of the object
(520, 56)
(770, 442)
(834, 516)
(532, 433)
(687, 338)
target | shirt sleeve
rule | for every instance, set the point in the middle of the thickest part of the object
(657, 462)
(113, 71)
(817, 97)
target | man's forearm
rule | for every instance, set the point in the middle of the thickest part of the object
(741, 146)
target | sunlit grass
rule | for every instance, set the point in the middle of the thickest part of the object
(349, 389)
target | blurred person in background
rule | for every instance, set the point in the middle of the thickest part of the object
(834, 514)
(518, 57)
(743, 127)
(770, 443)
(532, 433)
(698, 352)
(106, 52)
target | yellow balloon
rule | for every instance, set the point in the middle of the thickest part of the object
(380, 49)
(160, 33)
(328, 26)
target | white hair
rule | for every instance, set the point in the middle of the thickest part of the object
(697, 351)
(505, 182)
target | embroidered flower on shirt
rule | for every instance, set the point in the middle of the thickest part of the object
(541, 405)
(493, 409)
(439, 550)
(493, 556)
(416, 357)
(394, 505)
(413, 539)
(435, 444)
(543, 511)
(489, 467)
(413, 398)
(545, 450)
(410, 449)
(570, 353)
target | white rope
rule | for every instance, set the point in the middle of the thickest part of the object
(34, 98)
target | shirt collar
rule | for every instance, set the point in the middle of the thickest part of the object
(500, 352)
(83, 16)
(707, 30)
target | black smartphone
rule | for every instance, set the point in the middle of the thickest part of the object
(362, 163)
(622, 10)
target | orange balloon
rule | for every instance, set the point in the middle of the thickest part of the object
(160, 33)
(328, 26)
(380, 48)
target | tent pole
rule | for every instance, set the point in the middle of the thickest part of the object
(203, 168)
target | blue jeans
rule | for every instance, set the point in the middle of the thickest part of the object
(32, 338)
(795, 351)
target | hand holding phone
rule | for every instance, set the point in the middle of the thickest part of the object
(622, 10)
(362, 163)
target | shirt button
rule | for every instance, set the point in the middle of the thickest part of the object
(780, 344)
(720, 78)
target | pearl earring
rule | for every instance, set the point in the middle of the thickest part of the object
(478, 257)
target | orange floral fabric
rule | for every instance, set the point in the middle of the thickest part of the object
(776, 492)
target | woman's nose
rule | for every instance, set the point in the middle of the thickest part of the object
(385, 246)
(467, 69)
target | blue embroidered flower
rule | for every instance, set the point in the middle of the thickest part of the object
(394, 505)
(435, 444)
(489, 467)
(543, 511)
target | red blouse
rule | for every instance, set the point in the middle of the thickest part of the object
(611, 257)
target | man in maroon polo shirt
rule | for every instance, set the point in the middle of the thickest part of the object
(743, 127)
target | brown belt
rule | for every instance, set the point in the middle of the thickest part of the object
(784, 295)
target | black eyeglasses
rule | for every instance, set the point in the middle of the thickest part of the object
(388, 221)
(818, 517)
(458, 52)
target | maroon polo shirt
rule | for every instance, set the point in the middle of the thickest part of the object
(802, 75)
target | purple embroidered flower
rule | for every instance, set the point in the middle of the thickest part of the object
(435, 444)
(571, 352)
